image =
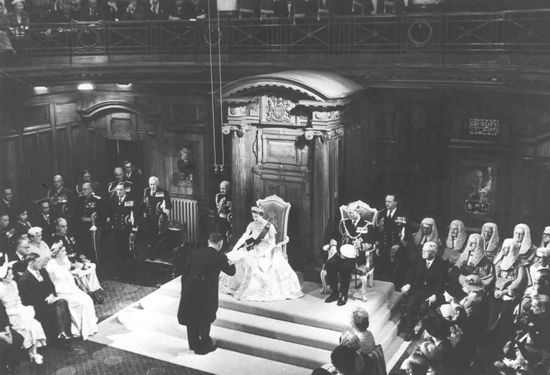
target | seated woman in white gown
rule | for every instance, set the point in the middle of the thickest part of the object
(263, 273)
(81, 305)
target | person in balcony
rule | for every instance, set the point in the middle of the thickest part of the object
(113, 12)
(19, 21)
(133, 12)
(5, 43)
(90, 11)
(182, 10)
(155, 11)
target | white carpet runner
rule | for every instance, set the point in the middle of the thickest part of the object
(289, 337)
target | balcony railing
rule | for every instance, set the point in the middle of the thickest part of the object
(436, 33)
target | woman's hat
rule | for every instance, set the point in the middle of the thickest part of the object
(472, 283)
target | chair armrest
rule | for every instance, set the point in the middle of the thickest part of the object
(284, 242)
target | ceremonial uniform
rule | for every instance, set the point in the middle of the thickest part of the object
(390, 233)
(155, 204)
(61, 201)
(88, 214)
(344, 264)
(223, 214)
(124, 217)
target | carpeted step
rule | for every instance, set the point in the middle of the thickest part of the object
(135, 337)
(311, 335)
(229, 339)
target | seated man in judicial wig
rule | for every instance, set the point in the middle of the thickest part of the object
(199, 292)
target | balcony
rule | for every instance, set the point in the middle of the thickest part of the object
(504, 32)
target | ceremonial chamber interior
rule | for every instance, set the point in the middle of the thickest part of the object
(295, 187)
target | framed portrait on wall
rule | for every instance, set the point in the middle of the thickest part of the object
(184, 164)
(477, 183)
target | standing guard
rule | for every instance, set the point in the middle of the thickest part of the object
(156, 205)
(119, 177)
(87, 219)
(61, 199)
(124, 215)
(224, 211)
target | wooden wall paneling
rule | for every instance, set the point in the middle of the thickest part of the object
(242, 178)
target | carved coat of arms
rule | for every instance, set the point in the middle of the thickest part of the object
(278, 110)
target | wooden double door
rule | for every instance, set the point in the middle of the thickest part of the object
(283, 168)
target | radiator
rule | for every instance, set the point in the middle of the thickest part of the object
(186, 212)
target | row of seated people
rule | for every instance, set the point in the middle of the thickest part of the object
(477, 273)
(41, 301)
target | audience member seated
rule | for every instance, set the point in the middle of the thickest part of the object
(81, 305)
(83, 270)
(415, 364)
(510, 282)
(426, 233)
(360, 325)
(36, 290)
(436, 347)
(11, 342)
(473, 261)
(182, 10)
(21, 318)
(5, 42)
(347, 360)
(7, 203)
(44, 219)
(489, 232)
(456, 242)
(425, 287)
(545, 240)
(522, 235)
(6, 234)
(37, 245)
(21, 226)
(133, 12)
(155, 11)
(541, 261)
(112, 11)
(22, 249)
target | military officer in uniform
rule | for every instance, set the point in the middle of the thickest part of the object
(124, 215)
(223, 210)
(87, 177)
(356, 239)
(390, 224)
(156, 205)
(119, 177)
(87, 218)
(61, 199)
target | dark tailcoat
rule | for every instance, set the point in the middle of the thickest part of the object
(199, 286)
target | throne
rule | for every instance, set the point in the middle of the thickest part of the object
(365, 272)
(276, 212)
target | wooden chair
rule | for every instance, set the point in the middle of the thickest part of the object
(276, 211)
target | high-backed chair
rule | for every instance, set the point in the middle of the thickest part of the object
(276, 211)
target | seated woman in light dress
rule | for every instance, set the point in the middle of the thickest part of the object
(263, 274)
(21, 317)
(81, 305)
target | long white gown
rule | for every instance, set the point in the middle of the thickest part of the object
(81, 305)
(21, 317)
(263, 274)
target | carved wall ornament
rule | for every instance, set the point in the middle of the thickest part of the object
(238, 129)
(278, 110)
(323, 134)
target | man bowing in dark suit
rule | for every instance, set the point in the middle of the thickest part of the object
(426, 284)
(199, 292)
